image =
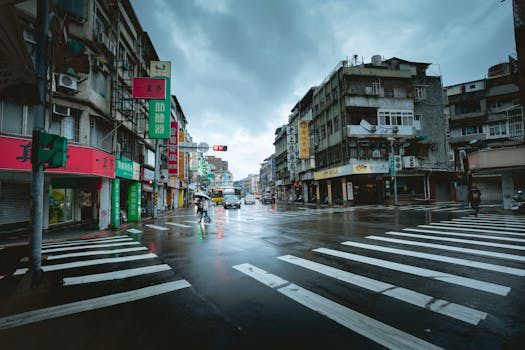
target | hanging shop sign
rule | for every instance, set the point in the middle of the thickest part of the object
(149, 88)
(159, 109)
(134, 201)
(115, 203)
(80, 160)
(304, 143)
(173, 152)
(180, 163)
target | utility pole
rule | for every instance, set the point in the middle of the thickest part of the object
(156, 179)
(393, 171)
(37, 174)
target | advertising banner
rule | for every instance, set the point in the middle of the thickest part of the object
(181, 157)
(159, 109)
(124, 168)
(80, 160)
(304, 142)
(173, 151)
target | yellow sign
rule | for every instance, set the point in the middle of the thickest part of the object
(304, 143)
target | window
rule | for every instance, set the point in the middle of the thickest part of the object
(323, 132)
(472, 130)
(12, 118)
(337, 123)
(417, 121)
(330, 127)
(393, 117)
(498, 130)
(98, 82)
(420, 93)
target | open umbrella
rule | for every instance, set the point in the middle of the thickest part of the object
(202, 195)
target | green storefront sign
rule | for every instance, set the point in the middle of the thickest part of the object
(115, 203)
(124, 168)
(134, 202)
(159, 110)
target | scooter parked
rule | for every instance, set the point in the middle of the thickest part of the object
(517, 205)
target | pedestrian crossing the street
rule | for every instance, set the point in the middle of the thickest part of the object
(484, 255)
(89, 262)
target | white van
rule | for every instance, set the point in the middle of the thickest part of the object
(249, 199)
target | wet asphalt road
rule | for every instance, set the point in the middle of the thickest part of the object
(278, 276)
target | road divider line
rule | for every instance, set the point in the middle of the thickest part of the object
(133, 230)
(499, 223)
(457, 240)
(95, 252)
(120, 274)
(177, 224)
(459, 234)
(157, 227)
(444, 307)
(21, 319)
(451, 248)
(442, 258)
(418, 271)
(89, 246)
(367, 327)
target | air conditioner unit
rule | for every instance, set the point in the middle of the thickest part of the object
(67, 82)
(376, 153)
(61, 110)
(410, 162)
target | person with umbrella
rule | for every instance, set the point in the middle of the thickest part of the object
(202, 207)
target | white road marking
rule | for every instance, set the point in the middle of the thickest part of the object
(500, 217)
(498, 238)
(176, 224)
(451, 248)
(499, 223)
(443, 258)
(93, 262)
(157, 227)
(120, 274)
(495, 226)
(374, 330)
(133, 230)
(86, 241)
(432, 274)
(472, 230)
(424, 301)
(458, 240)
(89, 304)
(95, 252)
(89, 246)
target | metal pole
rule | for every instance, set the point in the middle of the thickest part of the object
(37, 174)
(156, 179)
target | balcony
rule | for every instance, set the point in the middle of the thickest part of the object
(376, 101)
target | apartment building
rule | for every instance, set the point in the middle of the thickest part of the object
(96, 48)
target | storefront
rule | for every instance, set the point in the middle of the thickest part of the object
(146, 201)
(73, 194)
(128, 172)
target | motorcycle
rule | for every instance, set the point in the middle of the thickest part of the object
(517, 205)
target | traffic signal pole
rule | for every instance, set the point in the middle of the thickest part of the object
(37, 174)
(392, 155)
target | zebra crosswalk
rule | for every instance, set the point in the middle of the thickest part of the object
(470, 255)
(87, 262)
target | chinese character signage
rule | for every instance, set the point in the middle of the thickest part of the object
(124, 168)
(304, 144)
(134, 202)
(180, 164)
(115, 201)
(150, 88)
(173, 153)
(159, 110)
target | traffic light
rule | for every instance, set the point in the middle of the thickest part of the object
(50, 150)
(220, 148)
(397, 163)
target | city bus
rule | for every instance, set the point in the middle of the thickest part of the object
(218, 193)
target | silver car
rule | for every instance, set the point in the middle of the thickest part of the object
(231, 201)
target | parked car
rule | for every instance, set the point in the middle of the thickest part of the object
(249, 199)
(231, 201)
(267, 199)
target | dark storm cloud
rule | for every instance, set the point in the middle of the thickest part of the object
(239, 66)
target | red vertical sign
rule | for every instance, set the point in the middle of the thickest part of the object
(173, 151)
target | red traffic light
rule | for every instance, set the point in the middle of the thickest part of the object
(220, 148)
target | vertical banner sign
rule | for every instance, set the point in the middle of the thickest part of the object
(173, 151)
(159, 110)
(115, 203)
(134, 202)
(349, 191)
(180, 164)
(304, 143)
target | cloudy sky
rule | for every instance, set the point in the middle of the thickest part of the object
(239, 66)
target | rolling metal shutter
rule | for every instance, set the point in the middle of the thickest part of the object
(14, 202)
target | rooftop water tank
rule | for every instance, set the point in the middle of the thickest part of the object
(376, 60)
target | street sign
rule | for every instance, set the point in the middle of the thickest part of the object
(154, 88)
(392, 166)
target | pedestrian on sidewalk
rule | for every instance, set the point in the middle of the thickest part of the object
(474, 197)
